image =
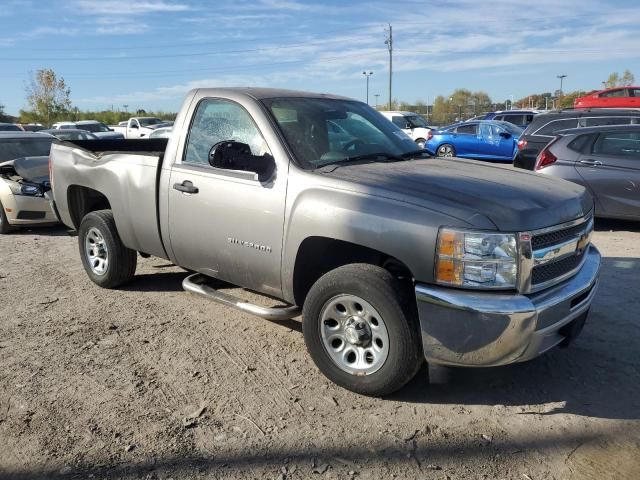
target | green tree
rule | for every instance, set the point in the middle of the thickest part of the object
(48, 96)
(566, 101)
(627, 78)
(615, 80)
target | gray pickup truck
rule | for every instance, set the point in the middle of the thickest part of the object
(320, 202)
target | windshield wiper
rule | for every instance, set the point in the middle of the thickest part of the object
(377, 155)
(384, 156)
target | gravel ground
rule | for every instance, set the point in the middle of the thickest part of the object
(150, 382)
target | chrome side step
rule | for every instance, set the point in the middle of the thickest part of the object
(197, 283)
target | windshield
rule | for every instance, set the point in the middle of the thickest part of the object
(322, 131)
(145, 122)
(94, 127)
(417, 121)
(16, 148)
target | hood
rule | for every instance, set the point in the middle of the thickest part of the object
(33, 169)
(512, 199)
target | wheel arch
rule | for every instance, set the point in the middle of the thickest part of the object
(318, 255)
(83, 200)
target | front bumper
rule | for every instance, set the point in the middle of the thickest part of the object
(28, 210)
(482, 329)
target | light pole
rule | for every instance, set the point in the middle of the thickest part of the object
(376, 95)
(367, 75)
(561, 77)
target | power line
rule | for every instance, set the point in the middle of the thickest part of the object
(129, 74)
(174, 55)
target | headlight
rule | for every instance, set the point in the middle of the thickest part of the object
(24, 189)
(476, 259)
(27, 189)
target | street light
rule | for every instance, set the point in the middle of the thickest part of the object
(376, 95)
(561, 77)
(367, 75)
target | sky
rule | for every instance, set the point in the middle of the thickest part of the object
(149, 53)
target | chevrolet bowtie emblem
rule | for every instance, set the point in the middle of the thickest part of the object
(583, 242)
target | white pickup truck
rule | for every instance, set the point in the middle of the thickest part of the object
(140, 127)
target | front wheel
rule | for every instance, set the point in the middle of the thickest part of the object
(446, 150)
(421, 142)
(106, 260)
(361, 330)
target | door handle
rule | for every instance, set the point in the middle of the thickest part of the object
(186, 187)
(591, 163)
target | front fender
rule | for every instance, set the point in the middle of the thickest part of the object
(401, 230)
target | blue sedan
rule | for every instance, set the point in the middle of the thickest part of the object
(480, 139)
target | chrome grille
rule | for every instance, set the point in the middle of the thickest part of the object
(551, 255)
(549, 271)
(555, 237)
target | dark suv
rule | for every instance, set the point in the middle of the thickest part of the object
(544, 126)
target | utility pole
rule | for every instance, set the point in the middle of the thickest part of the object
(389, 43)
(367, 75)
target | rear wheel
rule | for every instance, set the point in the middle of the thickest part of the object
(361, 330)
(446, 150)
(104, 257)
(4, 223)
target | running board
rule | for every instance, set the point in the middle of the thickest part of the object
(197, 283)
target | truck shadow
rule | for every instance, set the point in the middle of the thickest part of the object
(596, 376)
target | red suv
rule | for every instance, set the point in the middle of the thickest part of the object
(618, 97)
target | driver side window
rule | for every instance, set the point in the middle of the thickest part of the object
(218, 120)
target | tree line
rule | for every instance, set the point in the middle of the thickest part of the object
(49, 100)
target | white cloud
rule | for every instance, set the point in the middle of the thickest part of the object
(129, 7)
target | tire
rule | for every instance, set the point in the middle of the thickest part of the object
(4, 223)
(106, 260)
(388, 323)
(446, 150)
(421, 142)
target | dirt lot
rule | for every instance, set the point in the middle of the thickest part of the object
(149, 382)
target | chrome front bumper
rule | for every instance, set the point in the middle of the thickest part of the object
(482, 329)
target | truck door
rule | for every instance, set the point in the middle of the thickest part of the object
(227, 223)
(133, 129)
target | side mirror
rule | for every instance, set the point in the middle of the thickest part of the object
(505, 134)
(408, 126)
(133, 126)
(232, 155)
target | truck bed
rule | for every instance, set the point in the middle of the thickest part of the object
(126, 172)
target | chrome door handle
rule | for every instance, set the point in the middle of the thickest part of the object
(591, 163)
(186, 187)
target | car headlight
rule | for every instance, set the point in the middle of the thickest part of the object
(476, 259)
(24, 189)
